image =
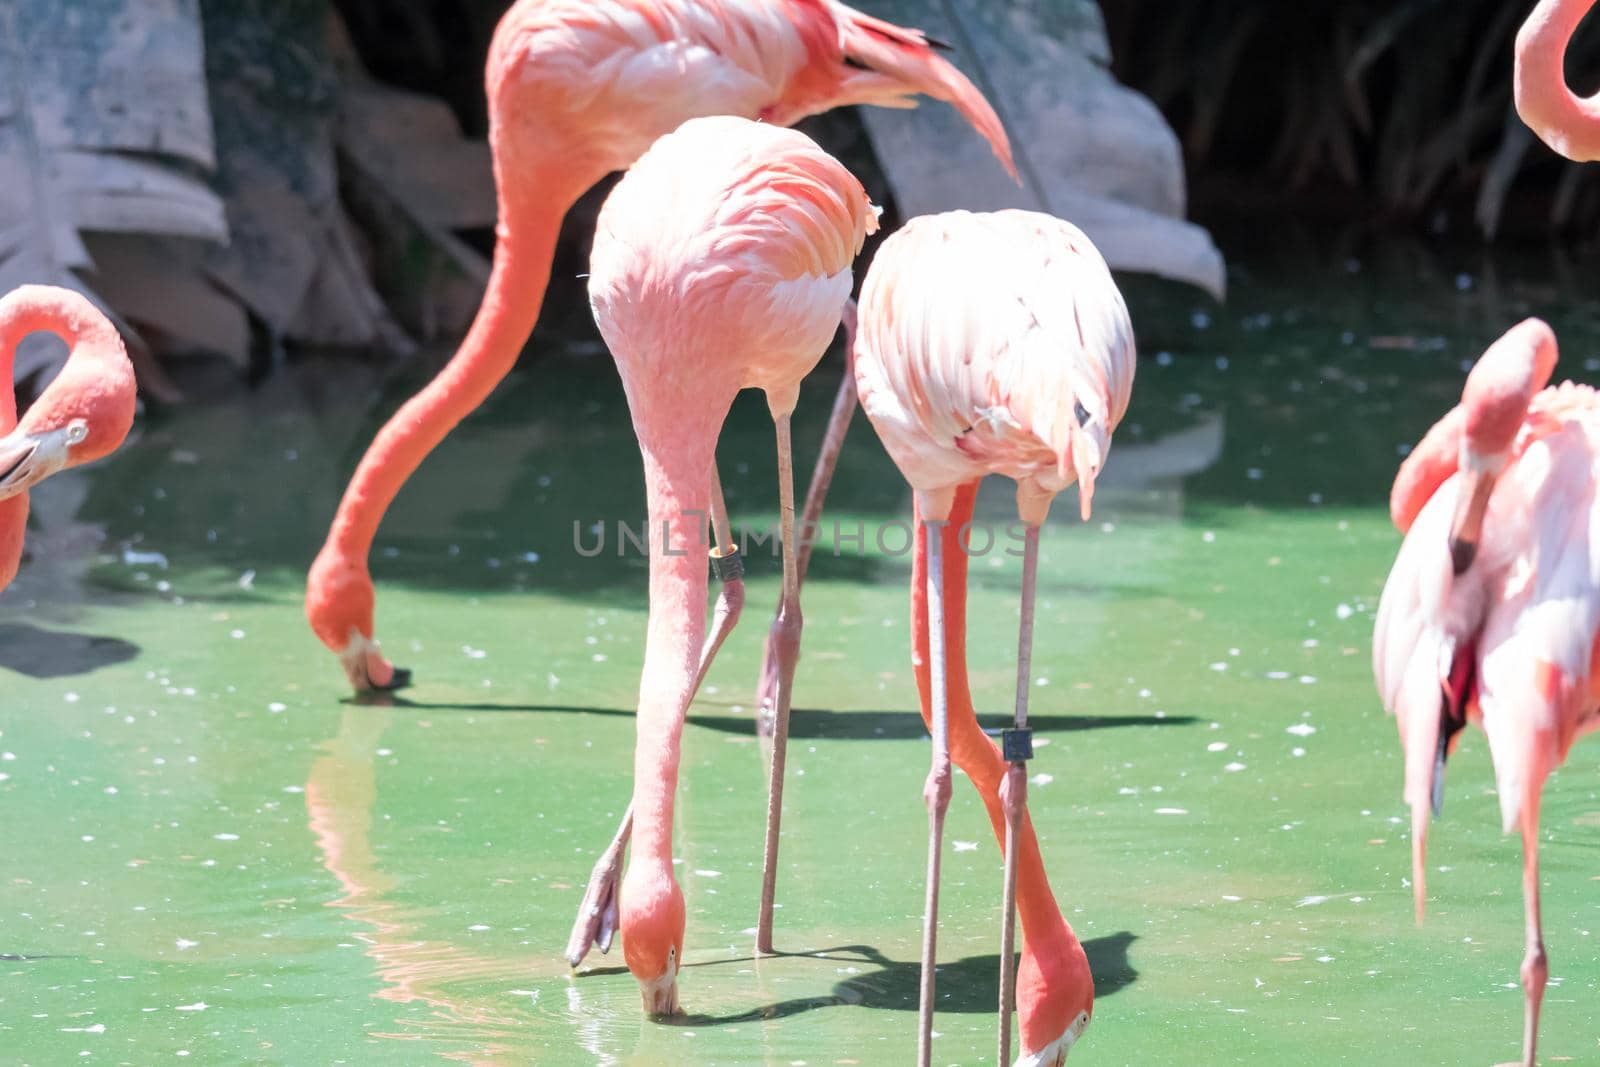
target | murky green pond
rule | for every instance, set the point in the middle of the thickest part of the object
(210, 853)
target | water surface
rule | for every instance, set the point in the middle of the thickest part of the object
(212, 854)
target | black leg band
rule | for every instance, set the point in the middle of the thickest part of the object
(1016, 745)
(727, 565)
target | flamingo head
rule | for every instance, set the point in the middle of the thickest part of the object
(1495, 402)
(1055, 998)
(339, 603)
(86, 412)
(653, 919)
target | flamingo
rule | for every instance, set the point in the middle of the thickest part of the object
(721, 261)
(992, 344)
(578, 89)
(83, 415)
(1492, 611)
(1569, 124)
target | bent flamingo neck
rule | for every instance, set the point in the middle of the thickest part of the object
(677, 484)
(1568, 123)
(972, 750)
(525, 245)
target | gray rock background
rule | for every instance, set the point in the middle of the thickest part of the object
(1089, 150)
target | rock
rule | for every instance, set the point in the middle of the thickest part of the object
(1090, 150)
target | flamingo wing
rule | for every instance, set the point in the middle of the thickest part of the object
(1539, 639)
(987, 343)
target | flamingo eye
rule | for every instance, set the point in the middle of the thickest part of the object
(77, 430)
(1082, 412)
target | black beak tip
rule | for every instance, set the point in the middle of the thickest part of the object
(1437, 797)
(1462, 553)
(400, 680)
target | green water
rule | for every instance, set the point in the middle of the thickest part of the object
(210, 853)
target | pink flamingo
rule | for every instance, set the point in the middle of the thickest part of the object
(1569, 124)
(721, 262)
(578, 89)
(1492, 610)
(84, 414)
(993, 344)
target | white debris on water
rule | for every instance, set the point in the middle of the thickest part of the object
(1042, 779)
(1172, 811)
(965, 846)
(132, 558)
(1234, 768)
(1217, 746)
(1301, 729)
(225, 837)
(1344, 611)
(198, 1005)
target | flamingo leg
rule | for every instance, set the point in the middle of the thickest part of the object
(729, 568)
(844, 409)
(597, 913)
(936, 791)
(785, 640)
(1535, 966)
(1018, 749)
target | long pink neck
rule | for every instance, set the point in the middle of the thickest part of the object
(13, 512)
(1568, 123)
(677, 480)
(13, 526)
(1043, 928)
(525, 245)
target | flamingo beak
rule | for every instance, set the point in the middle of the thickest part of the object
(1086, 455)
(28, 458)
(1466, 527)
(1419, 856)
(367, 669)
(661, 995)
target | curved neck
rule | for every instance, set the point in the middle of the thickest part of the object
(1428, 466)
(1568, 123)
(971, 749)
(13, 527)
(677, 482)
(525, 244)
(96, 358)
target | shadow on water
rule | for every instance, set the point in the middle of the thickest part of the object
(967, 986)
(817, 723)
(804, 723)
(41, 653)
(12, 957)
